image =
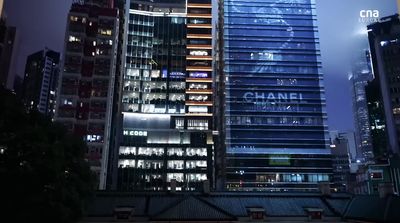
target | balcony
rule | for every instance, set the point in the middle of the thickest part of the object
(199, 114)
(199, 68)
(191, 57)
(205, 26)
(199, 91)
(198, 46)
(193, 15)
(199, 80)
(199, 5)
(199, 36)
(206, 103)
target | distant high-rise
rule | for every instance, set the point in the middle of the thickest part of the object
(340, 147)
(86, 84)
(377, 119)
(7, 48)
(166, 131)
(41, 81)
(398, 6)
(383, 93)
(274, 102)
(17, 85)
(1, 8)
(361, 74)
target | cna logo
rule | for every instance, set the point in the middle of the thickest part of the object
(369, 16)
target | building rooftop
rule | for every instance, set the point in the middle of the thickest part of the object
(235, 206)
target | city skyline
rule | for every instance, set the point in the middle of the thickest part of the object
(200, 110)
(339, 20)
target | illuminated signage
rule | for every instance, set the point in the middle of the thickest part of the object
(279, 160)
(176, 74)
(164, 73)
(272, 97)
(135, 133)
(198, 74)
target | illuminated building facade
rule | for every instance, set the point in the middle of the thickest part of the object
(377, 119)
(361, 74)
(274, 107)
(384, 90)
(166, 131)
(86, 84)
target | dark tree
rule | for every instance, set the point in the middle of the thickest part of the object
(43, 171)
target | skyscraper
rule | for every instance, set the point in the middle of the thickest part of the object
(384, 41)
(377, 120)
(41, 81)
(88, 77)
(274, 101)
(361, 74)
(166, 131)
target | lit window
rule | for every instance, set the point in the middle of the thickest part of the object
(198, 97)
(149, 164)
(106, 32)
(148, 151)
(198, 53)
(196, 152)
(73, 18)
(127, 150)
(198, 86)
(126, 163)
(74, 39)
(67, 102)
(177, 176)
(175, 164)
(396, 111)
(94, 138)
(198, 124)
(175, 152)
(146, 73)
(194, 164)
(376, 175)
(197, 177)
(133, 72)
(179, 123)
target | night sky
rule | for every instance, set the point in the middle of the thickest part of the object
(41, 23)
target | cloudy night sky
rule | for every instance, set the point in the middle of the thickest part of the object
(42, 23)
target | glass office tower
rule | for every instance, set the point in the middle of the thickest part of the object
(359, 78)
(167, 98)
(275, 118)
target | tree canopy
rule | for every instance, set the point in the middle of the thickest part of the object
(43, 171)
